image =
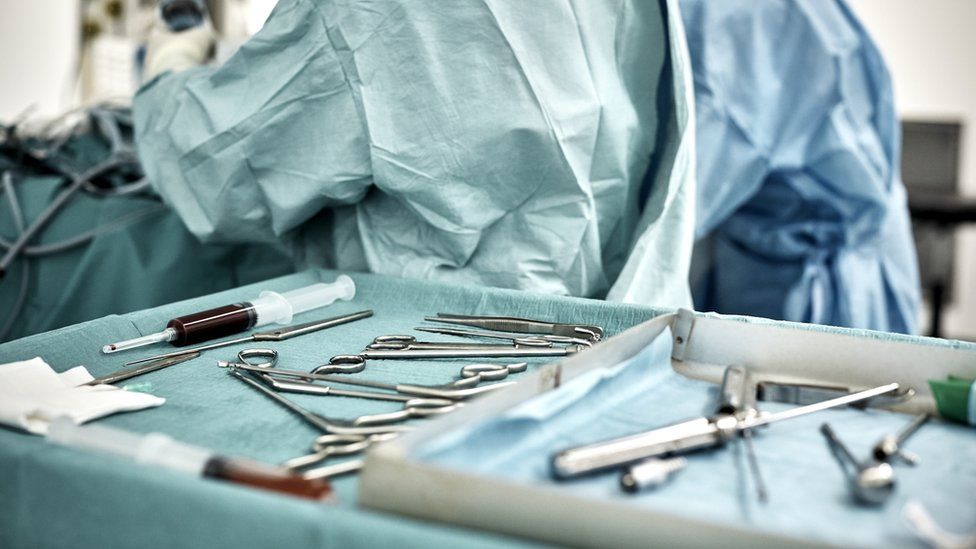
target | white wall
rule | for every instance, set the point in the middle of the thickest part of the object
(38, 41)
(930, 48)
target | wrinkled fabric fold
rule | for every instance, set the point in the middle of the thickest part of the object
(802, 214)
(541, 147)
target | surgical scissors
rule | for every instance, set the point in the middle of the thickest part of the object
(330, 445)
(413, 407)
(279, 334)
(466, 387)
(363, 425)
(335, 470)
(399, 342)
(323, 450)
(520, 325)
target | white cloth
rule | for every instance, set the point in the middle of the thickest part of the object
(32, 395)
(177, 51)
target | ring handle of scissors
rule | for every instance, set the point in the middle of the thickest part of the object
(394, 339)
(474, 374)
(342, 364)
(388, 346)
(242, 358)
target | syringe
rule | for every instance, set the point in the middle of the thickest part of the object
(235, 318)
(159, 450)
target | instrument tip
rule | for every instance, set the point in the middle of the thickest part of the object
(628, 483)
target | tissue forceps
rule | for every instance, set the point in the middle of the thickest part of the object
(468, 386)
(483, 351)
(507, 336)
(413, 407)
(520, 325)
(399, 342)
(359, 426)
(278, 334)
(126, 373)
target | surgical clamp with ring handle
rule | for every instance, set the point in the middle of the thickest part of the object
(278, 334)
(330, 445)
(520, 325)
(413, 407)
(468, 386)
(362, 425)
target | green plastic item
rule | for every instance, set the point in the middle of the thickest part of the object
(952, 398)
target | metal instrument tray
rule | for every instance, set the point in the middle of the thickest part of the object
(395, 478)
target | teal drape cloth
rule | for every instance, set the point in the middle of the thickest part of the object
(539, 146)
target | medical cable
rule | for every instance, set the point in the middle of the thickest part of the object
(49, 248)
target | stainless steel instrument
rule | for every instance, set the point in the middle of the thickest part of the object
(684, 437)
(278, 334)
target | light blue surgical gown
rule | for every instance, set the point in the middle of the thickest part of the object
(543, 146)
(801, 211)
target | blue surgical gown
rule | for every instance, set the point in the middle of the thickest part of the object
(801, 211)
(543, 146)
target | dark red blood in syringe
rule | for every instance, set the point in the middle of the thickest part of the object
(213, 324)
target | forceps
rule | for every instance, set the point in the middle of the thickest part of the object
(413, 407)
(127, 373)
(362, 425)
(279, 334)
(412, 341)
(520, 325)
(480, 351)
(466, 387)
(507, 336)
(399, 342)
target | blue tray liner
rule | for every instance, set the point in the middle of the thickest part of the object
(808, 495)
